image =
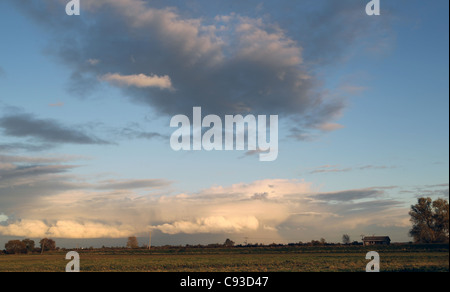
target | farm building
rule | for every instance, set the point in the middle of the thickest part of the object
(376, 240)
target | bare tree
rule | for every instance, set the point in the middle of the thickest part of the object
(346, 239)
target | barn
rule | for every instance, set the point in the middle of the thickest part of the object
(376, 240)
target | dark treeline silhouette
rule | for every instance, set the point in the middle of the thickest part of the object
(215, 247)
(28, 246)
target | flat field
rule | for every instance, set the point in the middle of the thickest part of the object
(394, 258)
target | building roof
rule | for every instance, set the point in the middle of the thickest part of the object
(376, 238)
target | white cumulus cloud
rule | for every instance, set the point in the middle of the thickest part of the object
(65, 229)
(3, 217)
(140, 80)
(213, 224)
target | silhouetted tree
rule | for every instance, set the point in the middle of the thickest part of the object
(15, 247)
(229, 243)
(346, 239)
(29, 244)
(47, 244)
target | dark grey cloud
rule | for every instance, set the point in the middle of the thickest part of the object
(134, 132)
(301, 134)
(260, 196)
(332, 170)
(29, 179)
(350, 195)
(36, 160)
(437, 185)
(132, 184)
(329, 30)
(2, 72)
(26, 179)
(369, 207)
(432, 191)
(252, 152)
(326, 30)
(384, 188)
(29, 147)
(258, 57)
(365, 167)
(31, 171)
(24, 170)
(443, 193)
(337, 169)
(44, 130)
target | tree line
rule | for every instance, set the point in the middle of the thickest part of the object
(27, 246)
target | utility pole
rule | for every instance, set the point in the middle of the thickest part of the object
(150, 241)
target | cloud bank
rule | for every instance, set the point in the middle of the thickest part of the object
(62, 205)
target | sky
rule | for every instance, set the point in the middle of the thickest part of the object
(86, 103)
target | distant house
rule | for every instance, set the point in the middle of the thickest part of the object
(376, 240)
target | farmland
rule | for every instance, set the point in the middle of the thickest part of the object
(394, 258)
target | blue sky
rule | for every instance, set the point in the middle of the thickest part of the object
(94, 158)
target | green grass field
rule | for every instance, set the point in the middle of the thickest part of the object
(406, 258)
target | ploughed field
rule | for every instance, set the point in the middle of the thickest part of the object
(394, 258)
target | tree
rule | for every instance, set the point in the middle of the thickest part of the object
(15, 247)
(29, 244)
(47, 244)
(346, 239)
(441, 217)
(430, 221)
(229, 243)
(132, 242)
